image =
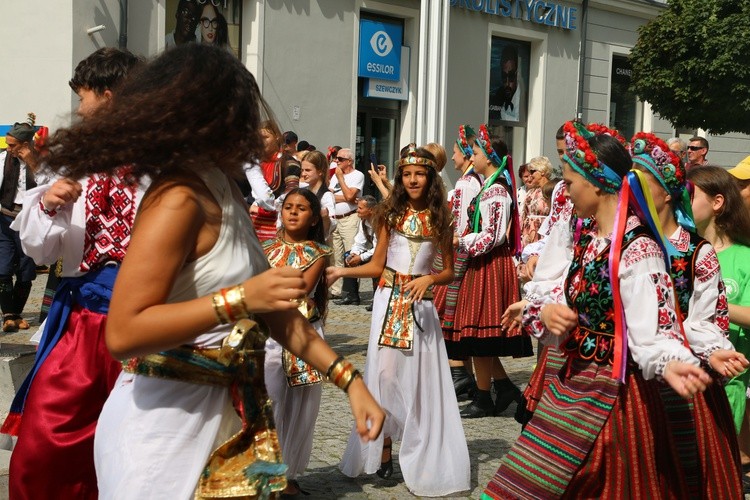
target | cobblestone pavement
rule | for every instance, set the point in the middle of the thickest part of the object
(347, 331)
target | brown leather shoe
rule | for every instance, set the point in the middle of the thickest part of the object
(9, 325)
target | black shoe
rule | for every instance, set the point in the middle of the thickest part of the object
(386, 468)
(481, 407)
(347, 301)
(522, 415)
(505, 393)
(368, 308)
(463, 382)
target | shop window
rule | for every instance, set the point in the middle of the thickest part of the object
(623, 104)
(207, 21)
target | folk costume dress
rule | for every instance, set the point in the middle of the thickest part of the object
(55, 411)
(702, 427)
(169, 411)
(280, 180)
(593, 436)
(407, 372)
(294, 386)
(446, 296)
(490, 284)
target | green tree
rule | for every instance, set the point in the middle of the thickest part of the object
(692, 64)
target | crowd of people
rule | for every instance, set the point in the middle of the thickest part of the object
(162, 371)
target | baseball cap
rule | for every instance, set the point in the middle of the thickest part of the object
(742, 170)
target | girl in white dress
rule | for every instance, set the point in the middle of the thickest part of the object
(293, 385)
(178, 313)
(407, 365)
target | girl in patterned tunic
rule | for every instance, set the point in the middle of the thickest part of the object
(407, 366)
(293, 385)
(490, 284)
(703, 428)
(466, 189)
(600, 428)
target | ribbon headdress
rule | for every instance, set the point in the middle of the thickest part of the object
(505, 168)
(465, 135)
(582, 159)
(655, 156)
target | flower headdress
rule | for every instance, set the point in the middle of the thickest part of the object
(412, 158)
(465, 134)
(580, 156)
(655, 156)
(485, 144)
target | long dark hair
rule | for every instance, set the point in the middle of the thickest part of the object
(733, 220)
(316, 234)
(612, 153)
(390, 211)
(193, 107)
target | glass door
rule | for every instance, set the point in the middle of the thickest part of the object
(376, 134)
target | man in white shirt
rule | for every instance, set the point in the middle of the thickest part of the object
(346, 186)
(361, 251)
(20, 165)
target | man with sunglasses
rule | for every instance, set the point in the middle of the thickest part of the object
(186, 17)
(346, 186)
(697, 151)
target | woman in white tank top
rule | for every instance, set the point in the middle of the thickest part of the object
(194, 271)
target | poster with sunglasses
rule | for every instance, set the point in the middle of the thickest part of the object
(509, 77)
(214, 22)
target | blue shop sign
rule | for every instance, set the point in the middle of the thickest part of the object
(544, 12)
(380, 50)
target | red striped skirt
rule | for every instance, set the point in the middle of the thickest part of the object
(705, 438)
(489, 286)
(446, 297)
(265, 226)
(547, 368)
(592, 437)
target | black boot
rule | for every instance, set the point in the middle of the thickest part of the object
(463, 382)
(522, 415)
(481, 406)
(505, 393)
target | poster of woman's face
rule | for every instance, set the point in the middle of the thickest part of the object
(509, 77)
(213, 22)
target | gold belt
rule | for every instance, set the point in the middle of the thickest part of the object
(249, 464)
(397, 331)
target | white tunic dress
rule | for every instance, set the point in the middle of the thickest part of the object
(416, 391)
(155, 435)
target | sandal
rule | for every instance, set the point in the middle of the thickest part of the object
(386, 468)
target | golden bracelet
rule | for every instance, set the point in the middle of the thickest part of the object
(235, 297)
(219, 308)
(336, 362)
(354, 375)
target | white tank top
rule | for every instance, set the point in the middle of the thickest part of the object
(236, 256)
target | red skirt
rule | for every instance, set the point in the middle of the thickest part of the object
(265, 226)
(489, 286)
(547, 368)
(593, 437)
(54, 455)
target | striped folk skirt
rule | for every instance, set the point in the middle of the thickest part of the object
(705, 439)
(265, 226)
(445, 297)
(593, 437)
(489, 286)
(547, 368)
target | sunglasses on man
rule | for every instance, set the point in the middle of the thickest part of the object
(695, 148)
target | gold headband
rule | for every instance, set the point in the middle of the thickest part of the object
(411, 158)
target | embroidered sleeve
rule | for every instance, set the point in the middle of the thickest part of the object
(707, 321)
(495, 212)
(51, 213)
(532, 318)
(552, 267)
(648, 299)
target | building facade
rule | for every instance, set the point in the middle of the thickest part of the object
(373, 74)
